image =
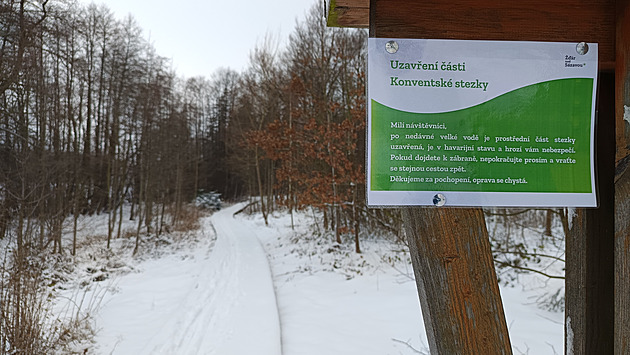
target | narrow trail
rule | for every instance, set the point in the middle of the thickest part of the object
(225, 302)
(251, 324)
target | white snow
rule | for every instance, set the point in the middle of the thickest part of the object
(217, 300)
(248, 288)
(569, 333)
(571, 214)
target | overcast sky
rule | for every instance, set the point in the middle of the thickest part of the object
(201, 36)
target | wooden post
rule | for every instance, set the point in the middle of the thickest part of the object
(622, 180)
(457, 284)
(589, 285)
(622, 80)
(453, 264)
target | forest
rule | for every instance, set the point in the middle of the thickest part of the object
(92, 120)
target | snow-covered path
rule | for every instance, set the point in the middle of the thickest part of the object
(249, 318)
(220, 302)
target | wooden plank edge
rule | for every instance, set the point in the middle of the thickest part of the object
(347, 16)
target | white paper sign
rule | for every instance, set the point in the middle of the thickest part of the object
(481, 123)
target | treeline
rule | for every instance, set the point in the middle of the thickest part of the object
(92, 118)
(306, 112)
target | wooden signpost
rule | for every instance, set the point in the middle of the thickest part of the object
(452, 261)
(622, 179)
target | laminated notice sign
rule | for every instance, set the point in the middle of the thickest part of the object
(481, 123)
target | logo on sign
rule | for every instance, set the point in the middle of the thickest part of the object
(569, 62)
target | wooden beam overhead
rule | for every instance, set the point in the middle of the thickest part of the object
(533, 20)
(537, 20)
(561, 20)
(349, 13)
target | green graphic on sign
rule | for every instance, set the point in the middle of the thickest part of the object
(532, 139)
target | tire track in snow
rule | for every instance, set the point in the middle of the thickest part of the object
(232, 310)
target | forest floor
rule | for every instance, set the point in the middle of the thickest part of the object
(238, 286)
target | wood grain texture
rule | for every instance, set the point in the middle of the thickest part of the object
(532, 20)
(622, 265)
(590, 247)
(457, 284)
(622, 183)
(349, 13)
(576, 276)
(589, 292)
(622, 77)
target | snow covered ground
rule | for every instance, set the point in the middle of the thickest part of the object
(215, 299)
(238, 286)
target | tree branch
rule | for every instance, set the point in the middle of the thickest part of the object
(502, 263)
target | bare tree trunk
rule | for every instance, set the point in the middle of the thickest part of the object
(120, 218)
(355, 216)
(290, 162)
(148, 203)
(548, 221)
(140, 216)
(161, 218)
(75, 218)
(271, 201)
(335, 208)
(111, 210)
(260, 187)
